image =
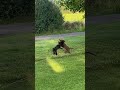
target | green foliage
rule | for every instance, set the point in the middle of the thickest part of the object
(47, 16)
(73, 5)
(14, 8)
(72, 25)
(92, 6)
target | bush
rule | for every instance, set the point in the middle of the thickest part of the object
(72, 25)
(47, 16)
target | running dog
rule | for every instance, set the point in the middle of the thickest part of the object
(66, 47)
(58, 46)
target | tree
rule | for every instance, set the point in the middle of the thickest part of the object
(73, 5)
(93, 7)
(47, 16)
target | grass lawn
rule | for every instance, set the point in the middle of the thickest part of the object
(16, 61)
(61, 31)
(104, 69)
(62, 72)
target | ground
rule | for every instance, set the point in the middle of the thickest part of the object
(62, 72)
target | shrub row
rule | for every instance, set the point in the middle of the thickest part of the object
(72, 25)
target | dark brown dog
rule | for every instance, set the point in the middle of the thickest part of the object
(66, 47)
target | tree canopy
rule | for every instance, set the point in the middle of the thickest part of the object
(91, 6)
(73, 5)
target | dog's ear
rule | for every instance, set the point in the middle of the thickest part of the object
(59, 40)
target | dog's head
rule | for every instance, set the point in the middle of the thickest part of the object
(61, 42)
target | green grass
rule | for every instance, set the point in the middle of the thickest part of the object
(16, 61)
(103, 71)
(62, 72)
(61, 31)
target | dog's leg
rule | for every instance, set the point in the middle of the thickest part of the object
(56, 53)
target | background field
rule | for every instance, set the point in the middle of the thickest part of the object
(72, 17)
(62, 72)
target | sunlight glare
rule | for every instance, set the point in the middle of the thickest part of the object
(55, 66)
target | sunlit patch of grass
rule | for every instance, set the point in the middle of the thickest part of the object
(56, 67)
(72, 17)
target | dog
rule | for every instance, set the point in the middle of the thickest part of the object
(66, 47)
(58, 46)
